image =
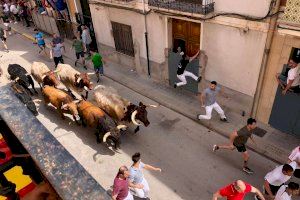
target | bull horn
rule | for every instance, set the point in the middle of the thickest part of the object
(121, 126)
(106, 136)
(63, 106)
(153, 106)
(56, 71)
(76, 101)
(43, 76)
(133, 118)
(78, 80)
(17, 79)
(85, 88)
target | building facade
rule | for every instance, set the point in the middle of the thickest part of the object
(278, 110)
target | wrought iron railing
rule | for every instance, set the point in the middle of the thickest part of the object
(191, 6)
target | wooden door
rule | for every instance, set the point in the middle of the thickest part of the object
(186, 31)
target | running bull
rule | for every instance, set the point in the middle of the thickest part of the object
(43, 75)
(61, 101)
(20, 75)
(121, 109)
(73, 79)
(107, 130)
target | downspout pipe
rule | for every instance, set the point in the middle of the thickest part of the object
(146, 39)
(264, 63)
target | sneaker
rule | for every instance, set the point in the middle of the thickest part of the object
(199, 79)
(224, 120)
(175, 86)
(98, 80)
(248, 170)
(198, 116)
(215, 148)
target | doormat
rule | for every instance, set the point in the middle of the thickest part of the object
(259, 132)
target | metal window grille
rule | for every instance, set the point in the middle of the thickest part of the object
(123, 38)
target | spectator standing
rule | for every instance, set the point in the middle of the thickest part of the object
(86, 39)
(6, 9)
(14, 11)
(98, 65)
(238, 140)
(39, 38)
(276, 178)
(56, 53)
(61, 7)
(23, 13)
(137, 178)
(292, 81)
(121, 185)
(286, 192)
(3, 38)
(79, 50)
(208, 100)
(236, 191)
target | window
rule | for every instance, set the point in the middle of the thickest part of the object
(123, 38)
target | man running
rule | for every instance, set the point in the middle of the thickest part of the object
(182, 73)
(121, 185)
(3, 38)
(238, 140)
(39, 38)
(98, 65)
(56, 54)
(237, 191)
(286, 192)
(210, 97)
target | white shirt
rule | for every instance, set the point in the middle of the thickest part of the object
(294, 74)
(13, 9)
(276, 177)
(6, 7)
(295, 156)
(282, 194)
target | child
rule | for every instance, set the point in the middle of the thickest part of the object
(78, 46)
(56, 53)
(98, 65)
(39, 38)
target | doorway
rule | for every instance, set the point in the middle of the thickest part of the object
(186, 35)
(285, 114)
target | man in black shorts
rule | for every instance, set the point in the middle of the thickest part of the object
(238, 140)
(3, 38)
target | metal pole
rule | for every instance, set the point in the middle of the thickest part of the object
(147, 52)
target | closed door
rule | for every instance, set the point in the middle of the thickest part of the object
(186, 35)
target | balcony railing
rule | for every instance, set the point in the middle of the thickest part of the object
(190, 6)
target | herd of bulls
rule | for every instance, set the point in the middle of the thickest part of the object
(109, 115)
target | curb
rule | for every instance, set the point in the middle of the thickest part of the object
(207, 125)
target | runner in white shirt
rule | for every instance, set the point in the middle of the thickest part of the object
(277, 177)
(286, 192)
(295, 156)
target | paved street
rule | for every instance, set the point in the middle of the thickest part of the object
(178, 145)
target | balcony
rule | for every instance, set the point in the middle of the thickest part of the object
(292, 13)
(190, 6)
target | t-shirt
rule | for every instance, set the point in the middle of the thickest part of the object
(60, 5)
(243, 136)
(182, 65)
(86, 38)
(136, 174)
(57, 50)
(232, 194)
(295, 156)
(294, 74)
(120, 188)
(276, 177)
(78, 45)
(282, 194)
(211, 95)
(13, 9)
(97, 60)
(39, 38)
(6, 7)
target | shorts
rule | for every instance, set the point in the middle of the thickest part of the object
(3, 39)
(42, 45)
(99, 69)
(274, 189)
(240, 148)
(79, 54)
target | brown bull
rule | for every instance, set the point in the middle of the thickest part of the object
(106, 129)
(61, 101)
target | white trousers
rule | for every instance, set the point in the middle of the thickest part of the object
(209, 109)
(129, 196)
(183, 79)
(142, 193)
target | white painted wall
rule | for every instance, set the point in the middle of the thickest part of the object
(257, 8)
(234, 58)
(102, 17)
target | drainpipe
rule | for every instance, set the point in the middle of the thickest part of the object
(146, 38)
(264, 63)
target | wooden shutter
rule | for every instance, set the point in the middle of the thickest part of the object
(123, 38)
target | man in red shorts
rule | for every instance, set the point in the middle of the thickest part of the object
(237, 191)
